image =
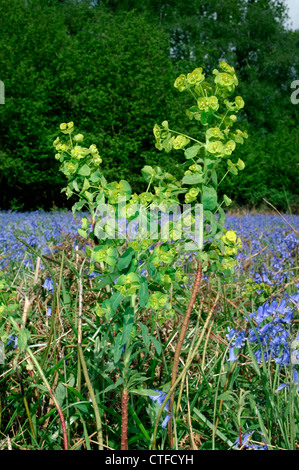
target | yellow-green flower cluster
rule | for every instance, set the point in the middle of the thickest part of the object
(193, 78)
(208, 103)
(225, 254)
(162, 254)
(179, 142)
(67, 128)
(117, 190)
(157, 300)
(232, 243)
(128, 284)
(104, 254)
(77, 161)
(165, 140)
(191, 195)
(226, 80)
(236, 105)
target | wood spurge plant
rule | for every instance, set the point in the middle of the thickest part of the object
(138, 264)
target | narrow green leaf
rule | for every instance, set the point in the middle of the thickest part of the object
(145, 334)
(143, 292)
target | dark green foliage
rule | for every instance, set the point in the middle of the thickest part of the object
(108, 73)
(110, 66)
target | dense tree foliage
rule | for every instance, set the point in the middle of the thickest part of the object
(109, 66)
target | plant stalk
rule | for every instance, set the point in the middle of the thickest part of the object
(180, 344)
(124, 419)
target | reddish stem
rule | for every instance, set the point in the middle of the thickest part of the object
(180, 344)
(240, 438)
(124, 419)
(62, 420)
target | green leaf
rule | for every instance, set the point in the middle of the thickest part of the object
(118, 348)
(144, 392)
(148, 172)
(84, 170)
(128, 325)
(24, 335)
(60, 393)
(115, 300)
(75, 186)
(89, 196)
(114, 385)
(95, 176)
(143, 292)
(156, 344)
(78, 206)
(109, 279)
(211, 218)
(191, 152)
(209, 198)
(226, 396)
(99, 230)
(125, 259)
(196, 178)
(221, 219)
(83, 233)
(145, 335)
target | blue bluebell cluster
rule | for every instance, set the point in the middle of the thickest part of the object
(269, 329)
(159, 399)
(40, 230)
(271, 242)
(264, 237)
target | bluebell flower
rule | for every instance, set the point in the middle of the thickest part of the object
(231, 333)
(165, 420)
(286, 385)
(49, 312)
(13, 340)
(232, 354)
(159, 399)
(246, 442)
(48, 284)
(237, 340)
(93, 275)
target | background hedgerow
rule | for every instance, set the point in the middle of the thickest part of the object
(108, 65)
